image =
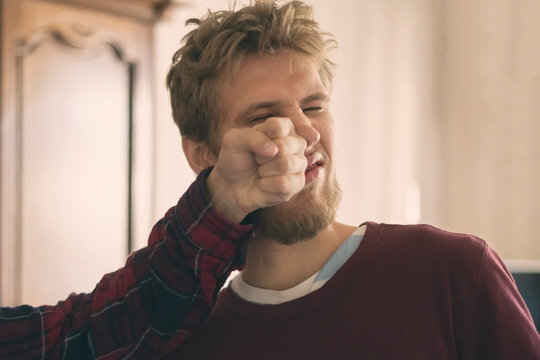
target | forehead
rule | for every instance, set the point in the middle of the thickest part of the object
(283, 61)
(284, 77)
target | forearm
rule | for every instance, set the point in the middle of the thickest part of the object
(165, 290)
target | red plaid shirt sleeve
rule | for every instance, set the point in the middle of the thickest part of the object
(148, 307)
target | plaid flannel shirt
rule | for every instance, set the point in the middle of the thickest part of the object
(145, 309)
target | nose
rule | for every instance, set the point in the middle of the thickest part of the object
(304, 127)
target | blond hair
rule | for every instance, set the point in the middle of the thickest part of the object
(218, 45)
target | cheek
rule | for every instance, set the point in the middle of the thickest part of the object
(327, 140)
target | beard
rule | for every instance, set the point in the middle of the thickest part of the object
(303, 216)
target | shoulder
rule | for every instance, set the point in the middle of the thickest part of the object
(426, 244)
(427, 236)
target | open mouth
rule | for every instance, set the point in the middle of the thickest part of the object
(313, 171)
(313, 166)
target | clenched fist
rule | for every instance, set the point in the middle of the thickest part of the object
(257, 167)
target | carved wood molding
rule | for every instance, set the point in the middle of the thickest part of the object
(145, 10)
(75, 36)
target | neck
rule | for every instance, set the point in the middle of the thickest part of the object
(271, 265)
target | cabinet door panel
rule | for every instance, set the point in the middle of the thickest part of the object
(76, 145)
(75, 132)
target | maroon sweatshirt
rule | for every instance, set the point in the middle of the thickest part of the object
(408, 292)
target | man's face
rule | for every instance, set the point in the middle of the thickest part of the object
(286, 85)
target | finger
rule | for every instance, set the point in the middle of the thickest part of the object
(247, 139)
(276, 127)
(282, 188)
(283, 165)
(288, 145)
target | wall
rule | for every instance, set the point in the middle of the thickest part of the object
(492, 123)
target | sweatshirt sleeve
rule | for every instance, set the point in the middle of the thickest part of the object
(500, 325)
(149, 306)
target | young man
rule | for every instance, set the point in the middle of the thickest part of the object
(250, 92)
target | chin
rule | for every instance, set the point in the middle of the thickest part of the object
(304, 216)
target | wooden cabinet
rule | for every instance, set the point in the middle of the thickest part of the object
(76, 142)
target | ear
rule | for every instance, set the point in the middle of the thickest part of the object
(197, 154)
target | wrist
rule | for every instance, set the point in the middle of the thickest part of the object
(222, 200)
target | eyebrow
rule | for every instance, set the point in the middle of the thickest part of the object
(317, 96)
(270, 104)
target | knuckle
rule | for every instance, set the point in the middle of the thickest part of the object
(281, 145)
(291, 144)
(276, 126)
(279, 126)
(281, 186)
(302, 140)
(283, 164)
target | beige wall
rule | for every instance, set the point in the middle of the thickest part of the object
(491, 124)
(437, 105)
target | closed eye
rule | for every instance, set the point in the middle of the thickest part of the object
(260, 118)
(313, 109)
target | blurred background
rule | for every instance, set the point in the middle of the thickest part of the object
(437, 105)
